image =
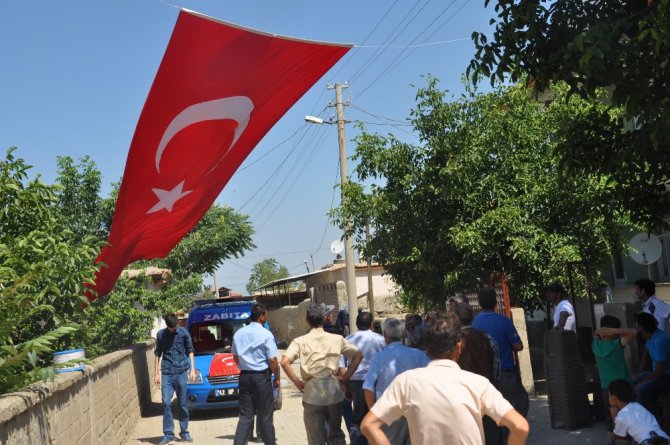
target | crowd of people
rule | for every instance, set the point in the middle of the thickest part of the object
(449, 377)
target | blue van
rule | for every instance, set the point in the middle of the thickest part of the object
(212, 324)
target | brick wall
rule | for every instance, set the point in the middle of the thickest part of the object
(99, 405)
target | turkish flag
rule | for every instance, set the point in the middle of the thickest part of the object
(218, 91)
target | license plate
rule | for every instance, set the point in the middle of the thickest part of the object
(225, 392)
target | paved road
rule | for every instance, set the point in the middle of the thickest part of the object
(218, 427)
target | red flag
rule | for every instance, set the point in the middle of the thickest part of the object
(218, 90)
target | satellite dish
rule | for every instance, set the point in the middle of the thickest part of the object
(337, 246)
(645, 248)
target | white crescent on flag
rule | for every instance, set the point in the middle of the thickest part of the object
(237, 108)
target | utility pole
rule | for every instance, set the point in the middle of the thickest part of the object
(216, 286)
(352, 295)
(371, 296)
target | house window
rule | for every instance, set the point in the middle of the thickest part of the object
(663, 264)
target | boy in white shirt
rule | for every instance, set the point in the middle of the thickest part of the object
(632, 419)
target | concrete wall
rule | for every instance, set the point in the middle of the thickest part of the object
(289, 322)
(95, 406)
(519, 320)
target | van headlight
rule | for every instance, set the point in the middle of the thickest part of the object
(198, 378)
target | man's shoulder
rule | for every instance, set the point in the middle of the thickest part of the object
(564, 304)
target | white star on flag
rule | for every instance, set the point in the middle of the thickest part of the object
(167, 198)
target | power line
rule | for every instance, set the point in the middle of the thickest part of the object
(332, 201)
(390, 39)
(297, 176)
(272, 149)
(269, 255)
(364, 41)
(281, 164)
(393, 64)
(289, 173)
(379, 117)
(441, 42)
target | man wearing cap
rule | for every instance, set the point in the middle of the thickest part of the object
(319, 353)
(255, 353)
(385, 366)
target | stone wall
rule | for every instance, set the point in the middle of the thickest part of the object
(525, 368)
(95, 406)
(289, 322)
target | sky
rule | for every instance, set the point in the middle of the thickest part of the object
(74, 75)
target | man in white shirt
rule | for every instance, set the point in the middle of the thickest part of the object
(442, 403)
(564, 313)
(645, 291)
(368, 343)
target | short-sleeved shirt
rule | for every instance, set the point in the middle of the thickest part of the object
(503, 332)
(442, 404)
(174, 350)
(390, 362)
(658, 347)
(635, 420)
(319, 352)
(659, 309)
(369, 343)
(254, 346)
(565, 306)
(610, 360)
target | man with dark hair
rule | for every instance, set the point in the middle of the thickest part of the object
(413, 335)
(174, 354)
(479, 354)
(255, 353)
(645, 291)
(319, 354)
(632, 419)
(368, 343)
(442, 403)
(564, 313)
(508, 341)
(651, 384)
(385, 366)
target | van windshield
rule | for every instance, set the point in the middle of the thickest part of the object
(212, 337)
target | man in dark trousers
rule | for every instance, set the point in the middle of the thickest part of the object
(255, 352)
(507, 338)
(174, 346)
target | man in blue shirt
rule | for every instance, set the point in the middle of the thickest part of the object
(174, 346)
(255, 352)
(650, 384)
(368, 343)
(385, 366)
(507, 338)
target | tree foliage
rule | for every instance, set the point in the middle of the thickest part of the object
(79, 197)
(265, 271)
(43, 267)
(482, 193)
(621, 46)
(220, 235)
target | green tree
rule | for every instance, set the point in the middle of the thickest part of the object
(482, 193)
(621, 46)
(265, 271)
(79, 197)
(43, 267)
(220, 235)
(118, 319)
